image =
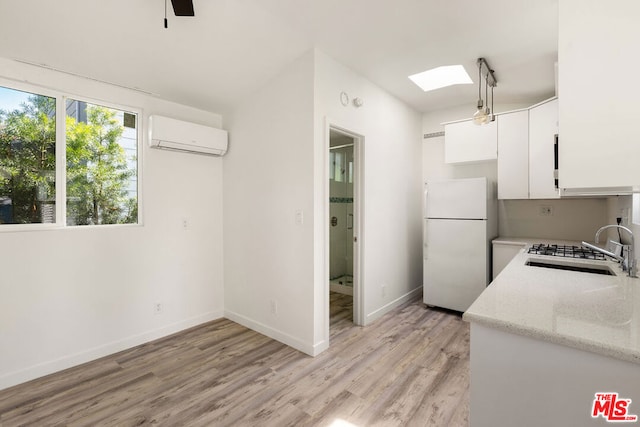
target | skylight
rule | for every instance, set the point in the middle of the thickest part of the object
(440, 77)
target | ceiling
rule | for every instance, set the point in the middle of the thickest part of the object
(231, 48)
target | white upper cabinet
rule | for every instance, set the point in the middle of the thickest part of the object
(513, 155)
(599, 93)
(526, 152)
(466, 142)
(543, 128)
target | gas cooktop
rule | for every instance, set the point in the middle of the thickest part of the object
(566, 251)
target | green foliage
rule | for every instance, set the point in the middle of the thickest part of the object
(28, 160)
(97, 172)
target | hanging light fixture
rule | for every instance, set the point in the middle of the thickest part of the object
(484, 115)
(478, 117)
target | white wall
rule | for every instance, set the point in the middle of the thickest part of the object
(391, 243)
(75, 294)
(620, 206)
(572, 219)
(277, 166)
(268, 177)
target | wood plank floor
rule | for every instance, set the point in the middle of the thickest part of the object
(409, 368)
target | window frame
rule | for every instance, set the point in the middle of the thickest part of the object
(61, 98)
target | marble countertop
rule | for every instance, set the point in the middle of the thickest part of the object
(591, 312)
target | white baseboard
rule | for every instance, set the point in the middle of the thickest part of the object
(320, 347)
(68, 361)
(275, 334)
(390, 306)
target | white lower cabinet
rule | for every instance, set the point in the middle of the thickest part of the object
(503, 253)
(522, 381)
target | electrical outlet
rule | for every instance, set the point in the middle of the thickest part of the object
(546, 210)
(273, 305)
(185, 223)
(383, 290)
(157, 307)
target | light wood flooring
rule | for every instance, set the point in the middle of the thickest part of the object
(409, 368)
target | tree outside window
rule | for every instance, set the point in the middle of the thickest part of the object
(101, 161)
(99, 174)
(27, 158)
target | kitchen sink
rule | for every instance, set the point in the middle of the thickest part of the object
(571, 266)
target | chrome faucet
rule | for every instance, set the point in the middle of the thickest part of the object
(628, 261)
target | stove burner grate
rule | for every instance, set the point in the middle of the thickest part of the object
(566, 251)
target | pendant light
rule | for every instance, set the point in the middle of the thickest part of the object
(478, 117)
(484, 116)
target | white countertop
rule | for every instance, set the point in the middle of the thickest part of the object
(591, 312)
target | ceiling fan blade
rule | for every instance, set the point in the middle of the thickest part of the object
(183, 7)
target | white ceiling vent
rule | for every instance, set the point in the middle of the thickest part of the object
(178, 135)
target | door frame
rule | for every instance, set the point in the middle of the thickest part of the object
(358, 228)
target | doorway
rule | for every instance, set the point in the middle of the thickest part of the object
(344, 225)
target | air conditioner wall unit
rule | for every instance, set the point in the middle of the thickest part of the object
(171, 134)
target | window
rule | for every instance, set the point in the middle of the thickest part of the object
(101, 165)
(336, 163)
(100, 177)
(27, 157)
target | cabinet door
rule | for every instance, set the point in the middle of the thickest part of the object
(598, 93)
(466, 142)
(543, 126)
(513, 155)
(503, 253)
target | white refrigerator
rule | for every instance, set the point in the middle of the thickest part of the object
(460, 220)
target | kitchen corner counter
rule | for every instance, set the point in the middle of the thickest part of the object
(590, 312)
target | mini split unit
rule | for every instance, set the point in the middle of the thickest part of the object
(177, 135)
